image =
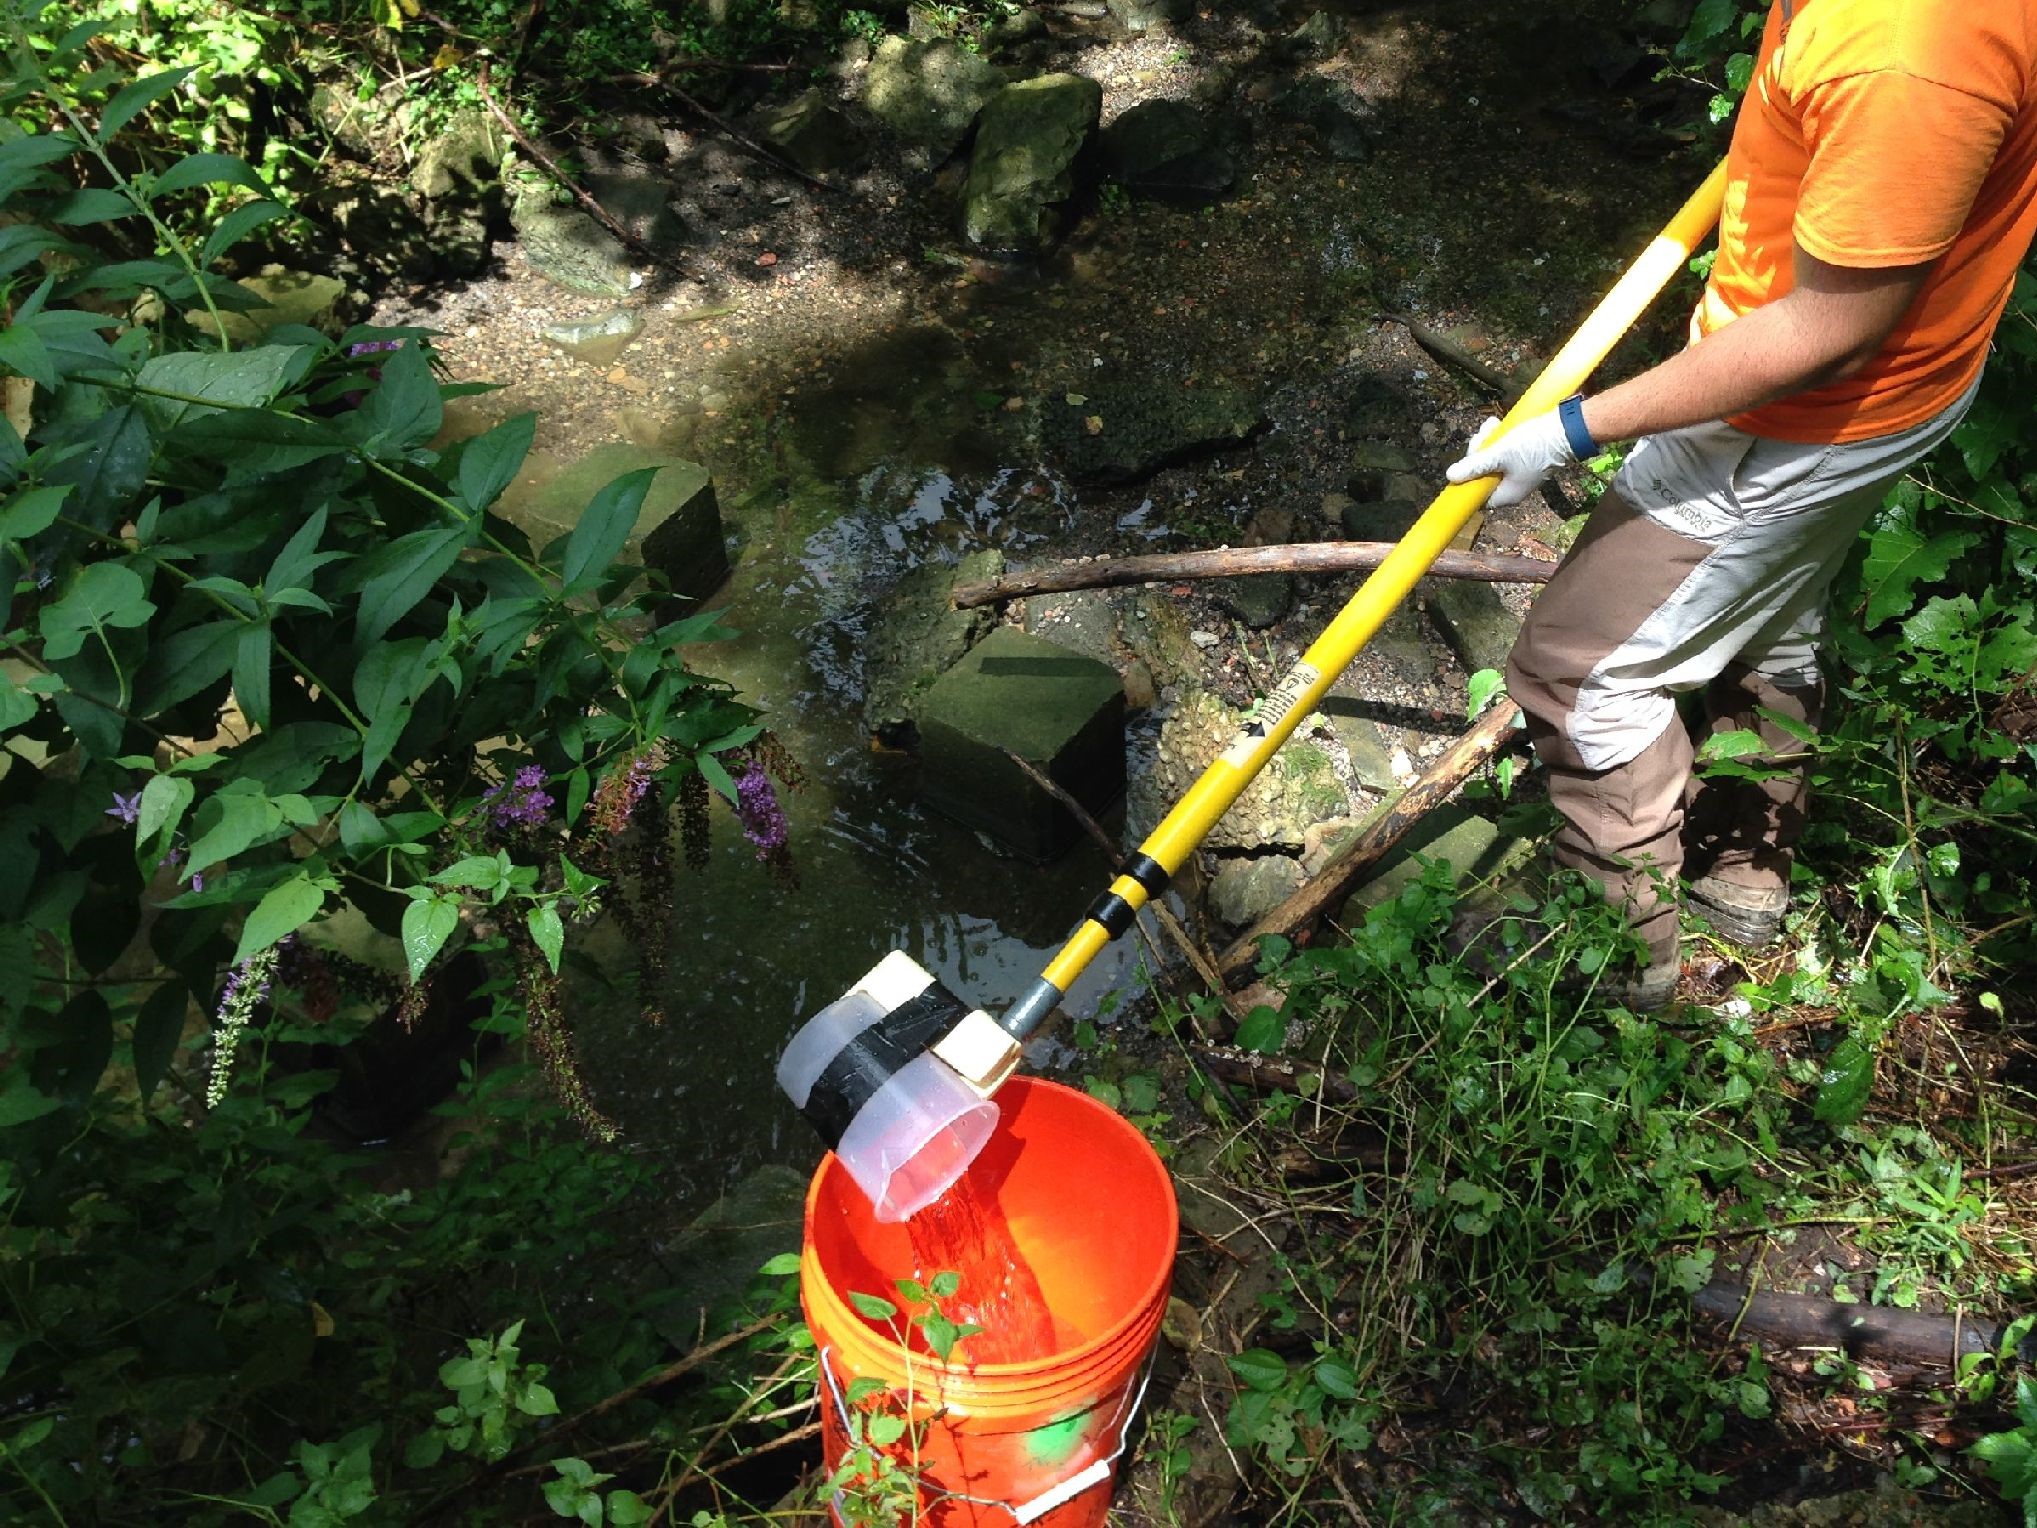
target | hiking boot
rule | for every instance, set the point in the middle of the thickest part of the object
(1474, 938)
(1749, 916)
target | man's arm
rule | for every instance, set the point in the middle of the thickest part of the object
(1829, 325)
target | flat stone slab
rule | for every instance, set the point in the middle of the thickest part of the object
(1475, 621)
(1058, 710)
(915, 636)
(678, 533)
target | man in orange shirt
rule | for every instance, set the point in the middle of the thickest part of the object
(1882, 192)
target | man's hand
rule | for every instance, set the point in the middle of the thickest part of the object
(1520, 459)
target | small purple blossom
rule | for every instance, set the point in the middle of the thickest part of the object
(126, 808)
(175, 857)
(757, 805)
(373, 347)
(520, 803)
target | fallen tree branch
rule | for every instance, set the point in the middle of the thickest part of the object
(1308, 557)
(550, 166)
(1447, 350)
(1380, 835)
(1268, 1074)
(1880, 1334)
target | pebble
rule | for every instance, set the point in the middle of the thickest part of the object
(1204, 639)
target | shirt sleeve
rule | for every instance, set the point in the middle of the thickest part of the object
(1895, 163)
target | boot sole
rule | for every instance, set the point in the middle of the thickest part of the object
(1749, 928)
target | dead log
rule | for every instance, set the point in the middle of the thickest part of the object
(1378, 838)
(1269, 1074)
(1309, 557)
(1882, 1335)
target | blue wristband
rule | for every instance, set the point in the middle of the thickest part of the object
(1570, 414)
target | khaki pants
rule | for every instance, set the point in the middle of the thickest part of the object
(1705, 566)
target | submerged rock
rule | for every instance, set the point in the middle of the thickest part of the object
(916, 637)
(678, 533)
(1024, 161)
(569, 247)
(1169, 150)
(714, 1259)
(597, 341)
(1474, 848)
(1059, 711)
(1124, 431)
(928, 92)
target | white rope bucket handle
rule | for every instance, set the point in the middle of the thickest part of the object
(1094, 1473)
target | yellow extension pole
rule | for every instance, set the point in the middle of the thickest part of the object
(1170, 844)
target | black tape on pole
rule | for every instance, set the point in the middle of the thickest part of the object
(1148, 872)
(1113, 912)
(874, 1056)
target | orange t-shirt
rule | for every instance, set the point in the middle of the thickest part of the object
(1879, 133)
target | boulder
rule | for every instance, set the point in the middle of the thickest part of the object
(1148, 15)
(916, 637)
(1024, 161)
(1365, 744)
(1379, 519)
(1260, 599)
(567, 246)
(1473, 848)
(1334, 113)
(1168, 150)
(809, 132)
(1084, 620)
(460, 158)
(1061, 712)
(928, 92)
(1246, 889)
(1125, 431)
(1474, 620)
(1298, 789)
(1156, 629)
(678, 533)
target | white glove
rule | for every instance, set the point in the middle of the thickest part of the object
(1520, 459)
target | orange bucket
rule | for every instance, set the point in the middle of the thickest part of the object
(1091, 1209)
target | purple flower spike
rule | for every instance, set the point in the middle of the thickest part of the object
(373, 347)
(757, 805)
(522, 802)
(126, 808)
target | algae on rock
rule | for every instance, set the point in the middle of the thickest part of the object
(1024, 161)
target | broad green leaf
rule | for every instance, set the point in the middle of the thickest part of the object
(1336, 1378)
(1844, 1085)
(1259, 1369)
(158, 1028)
(251, 664)
(873, 1307)
(32, 511)
(549, 933)
(427, 924)
(386, 685)
(716, 776)
(207, 169)
(256, 443)
(185, 663)
(164, 801)
(138, 97)
(229, 822)
(1480, 690)
(20, 1102)
(604, 528)
(91, 204)
(194, 383)
(16, 704)
(404, 572)
(1898, 559)
(537, 1401)
(1737, 744)
(482, 872)
(284, 910)
(237, 225)
(488, 463)
(1708, 19)
(1264, 1030)
(22, 351)
(104, 594)
(406, 408)
(781, 1265)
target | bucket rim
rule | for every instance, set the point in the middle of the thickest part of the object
(1146, 1311)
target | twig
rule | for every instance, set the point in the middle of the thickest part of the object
(1443, 348)
(687, 1476)
(1309, 557)
(550, 166)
